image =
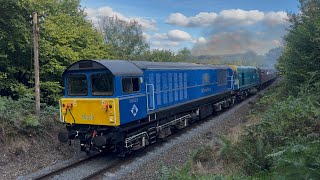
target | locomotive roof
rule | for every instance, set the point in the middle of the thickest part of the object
(174, 65)
(125, 67)
(116, 67)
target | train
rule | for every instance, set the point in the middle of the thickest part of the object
(121, 105)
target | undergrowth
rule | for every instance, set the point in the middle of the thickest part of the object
(284, 144)
(17, 118)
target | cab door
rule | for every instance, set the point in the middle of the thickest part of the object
(132, 100)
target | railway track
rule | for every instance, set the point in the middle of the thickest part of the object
(109, 163)
(64, 171)
(71, 170)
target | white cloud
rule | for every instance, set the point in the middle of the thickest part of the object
(201, 19)
(178, 35)
(173, 35)
(106, 11)
(173, 39)
(200, 40)
(241, 17)
(165, 43)
(177, 19)
(229, 17)
(145, 23)
(275, 18)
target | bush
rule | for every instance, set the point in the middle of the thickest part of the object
(19, 116)
(203, 154)
(284, 143)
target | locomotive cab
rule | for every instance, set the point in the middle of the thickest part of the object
(89, 98)
(77, 108)
(93, 89)
(94, 92)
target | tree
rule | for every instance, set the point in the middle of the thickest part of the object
(65, 36)
(158, 55)
(184, 54)
(126, 38)
(15, 45)
(301, 56)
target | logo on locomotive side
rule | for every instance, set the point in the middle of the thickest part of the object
(206, 78)
(134, 110)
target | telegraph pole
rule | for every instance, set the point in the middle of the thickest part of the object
(36, 62)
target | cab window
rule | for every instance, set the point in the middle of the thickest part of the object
(130, 85)
(102, 84)
(77, 85)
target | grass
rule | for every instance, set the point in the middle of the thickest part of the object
(279, 141)
(18, 123)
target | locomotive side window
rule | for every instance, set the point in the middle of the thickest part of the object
(130, 85)
(102, 84)
(77, 85)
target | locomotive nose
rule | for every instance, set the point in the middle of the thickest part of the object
(93, 111)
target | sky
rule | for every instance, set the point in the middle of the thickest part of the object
(207, 27)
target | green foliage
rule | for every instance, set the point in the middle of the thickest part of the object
(165, 55)
(17, 116)
(183, 55)
(227, 150)
(298, 161)
(65, 37)
(186, 172)
(301, 53)
(203, 154)
(157, 55)
(182, 173)
(284, 143)
(15, 44)
(126, 38)
(31, 121)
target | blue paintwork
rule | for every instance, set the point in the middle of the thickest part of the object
(171, 87)
(181, 86)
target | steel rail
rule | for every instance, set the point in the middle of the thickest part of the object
(66, 167)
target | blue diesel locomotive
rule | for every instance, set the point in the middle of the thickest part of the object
(123, 105)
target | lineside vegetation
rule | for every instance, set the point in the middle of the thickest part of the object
(284, 144)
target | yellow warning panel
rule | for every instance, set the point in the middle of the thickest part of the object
(93, 111)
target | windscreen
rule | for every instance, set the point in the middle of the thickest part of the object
(102, 84)
(77, 85)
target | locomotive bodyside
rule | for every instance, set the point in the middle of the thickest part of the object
(172, 87)
(124, 105)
